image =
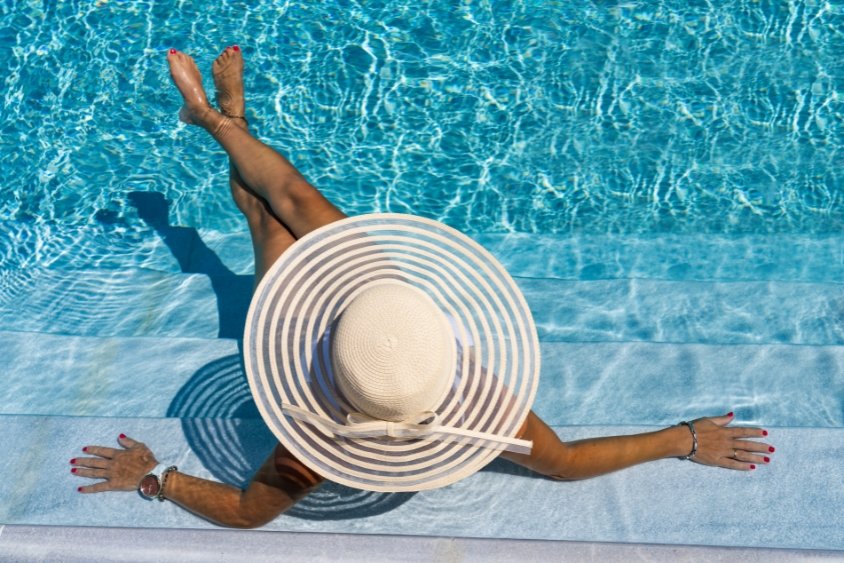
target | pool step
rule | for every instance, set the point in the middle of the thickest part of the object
(39, 490)
(581, 383)
(123, 376)
(714, 312)
(693, 257)
(141, 302)
(791, 257)
(125, 302)
(653, 383)
(115, 247)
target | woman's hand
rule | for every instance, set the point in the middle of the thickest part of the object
(119, 469)
(731, 448)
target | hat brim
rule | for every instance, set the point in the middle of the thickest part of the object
(287, 357)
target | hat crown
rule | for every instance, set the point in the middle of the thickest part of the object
(393, 352)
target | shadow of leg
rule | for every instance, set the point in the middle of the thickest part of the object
(233, 292)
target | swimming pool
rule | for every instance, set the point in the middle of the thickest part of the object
(663, 179)
(539, 117)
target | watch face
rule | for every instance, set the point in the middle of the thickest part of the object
(149, 486)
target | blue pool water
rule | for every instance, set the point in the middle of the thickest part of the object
(541, 117)
(663, 180)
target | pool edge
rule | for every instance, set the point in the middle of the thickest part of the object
(69, 543)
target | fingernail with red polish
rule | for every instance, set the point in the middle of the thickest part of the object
(85, 449)
(730, 414)
(73, 470)
(752, 467)
(172, 51)
(772, 449)
(122, 436)
(767, 459)
(235, 47)
(73, 460)
(764, 432)
(79, 489)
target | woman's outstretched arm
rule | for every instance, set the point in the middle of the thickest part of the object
(277, 486)
(717, 445)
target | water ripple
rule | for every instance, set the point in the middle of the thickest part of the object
(499, 116)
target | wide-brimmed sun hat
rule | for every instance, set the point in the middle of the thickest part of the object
(390, 352)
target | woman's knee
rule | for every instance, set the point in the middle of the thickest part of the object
(254, 208)
(302, 208)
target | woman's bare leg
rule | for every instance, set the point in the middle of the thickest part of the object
(300, 206)
(270, 237)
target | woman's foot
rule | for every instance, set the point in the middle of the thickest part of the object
(228, 79)
(187, 79)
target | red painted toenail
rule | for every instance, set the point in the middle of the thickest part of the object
(236, 48)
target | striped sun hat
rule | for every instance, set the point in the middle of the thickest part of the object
(391, 352)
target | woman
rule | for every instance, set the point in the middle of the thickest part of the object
(280, 207)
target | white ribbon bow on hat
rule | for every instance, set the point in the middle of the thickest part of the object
(422, 425)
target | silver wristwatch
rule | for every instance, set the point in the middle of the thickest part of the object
(152, 484)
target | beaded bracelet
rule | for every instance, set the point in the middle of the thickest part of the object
(160, 496)
(691, 426)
